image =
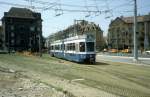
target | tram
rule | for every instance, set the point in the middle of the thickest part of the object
(79, 48)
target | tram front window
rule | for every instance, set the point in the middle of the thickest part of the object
(82, 47)
(90, 46)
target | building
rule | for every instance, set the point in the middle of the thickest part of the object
(120, 33)
(22, 30)
(78, 28)
(1, 42)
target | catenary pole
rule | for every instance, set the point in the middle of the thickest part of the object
(135, 32)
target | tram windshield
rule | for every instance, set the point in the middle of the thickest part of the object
(90, 46)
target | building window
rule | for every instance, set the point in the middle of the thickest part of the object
(12, 27)
(38, 29)
(12, 41)
(32, 29)
(12, 34)
(18, 42)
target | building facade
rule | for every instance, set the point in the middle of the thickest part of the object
(120, 33)
(22, 30)
(1, 42)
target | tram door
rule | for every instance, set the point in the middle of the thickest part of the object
(77, 47)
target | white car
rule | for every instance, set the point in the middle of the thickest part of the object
(147, 52)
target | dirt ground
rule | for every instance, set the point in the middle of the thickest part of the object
(14, 84)
(31, 76)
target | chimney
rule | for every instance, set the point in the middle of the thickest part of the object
(121, 16)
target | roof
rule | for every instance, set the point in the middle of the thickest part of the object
(20, 13)
(139, 19)
(117, 20)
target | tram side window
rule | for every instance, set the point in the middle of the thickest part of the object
(82, 47)
(64, 46)
(56, 47)
(71, 46)
(52, 47)
(68, 46)
(60, 47)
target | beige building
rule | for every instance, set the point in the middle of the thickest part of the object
(120, 33)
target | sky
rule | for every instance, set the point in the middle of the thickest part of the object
(52, 23)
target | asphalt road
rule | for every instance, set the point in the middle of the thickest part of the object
(122, 59)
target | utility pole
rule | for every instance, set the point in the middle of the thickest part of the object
(135, 32)
(75, 28)
(146, 44)
(40, 47)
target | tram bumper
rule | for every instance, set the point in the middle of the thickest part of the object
(89, 58)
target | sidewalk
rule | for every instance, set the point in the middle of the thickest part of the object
(124, 59)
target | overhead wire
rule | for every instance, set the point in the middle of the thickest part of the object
(62, 4)
(58, 10)
(51, 5)
(86, 7)
(97, 8)
(20, 5)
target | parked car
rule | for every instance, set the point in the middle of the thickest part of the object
(147, 52)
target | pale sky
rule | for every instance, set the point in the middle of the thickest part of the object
(52, 23)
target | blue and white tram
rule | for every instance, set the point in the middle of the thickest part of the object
(79, 48)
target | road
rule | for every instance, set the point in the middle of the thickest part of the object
(122, 59)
